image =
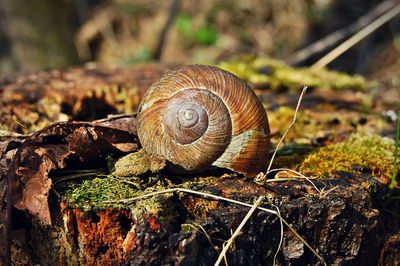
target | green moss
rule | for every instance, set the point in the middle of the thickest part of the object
(92, 192)
(366, 151)
(274, 74)
(101, 193)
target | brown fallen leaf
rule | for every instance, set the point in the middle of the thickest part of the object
(52, 147)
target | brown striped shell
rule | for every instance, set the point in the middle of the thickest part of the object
(201, 116)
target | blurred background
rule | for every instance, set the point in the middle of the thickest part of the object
(45, 34)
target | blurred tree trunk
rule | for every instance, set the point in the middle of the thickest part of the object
(36, 35)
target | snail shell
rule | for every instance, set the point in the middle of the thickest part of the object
(201, 116)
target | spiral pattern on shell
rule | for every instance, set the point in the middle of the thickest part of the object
(201, 116)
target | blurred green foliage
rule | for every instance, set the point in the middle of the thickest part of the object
(183, 24)
(203, 35)
(206, 35)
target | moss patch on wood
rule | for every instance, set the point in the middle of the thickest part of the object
(266, 72)
(359, 153)
(102, 193)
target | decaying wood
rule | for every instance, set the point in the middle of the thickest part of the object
(390, 253)
(340, 219)
(341, 225)
(28, 181)
(32, 101)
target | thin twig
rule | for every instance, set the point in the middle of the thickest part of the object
(64, 178)
(324, 193)
(237, 231)
(346, 45)
(10, 134)
(338, 35)
(188, 191)
(281, 238)
(136, 185)
(262, 176)
(196, 226)
(290, 126)
(298, 176)
(289, 170)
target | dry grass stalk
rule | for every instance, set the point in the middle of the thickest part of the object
(353, 40)
(229, 242)
(261, 177)
(335, 37)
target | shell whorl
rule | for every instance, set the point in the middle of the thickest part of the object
(198, 116)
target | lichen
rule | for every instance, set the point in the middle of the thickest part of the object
(138, 163)
(265, 72)
(360, 152)
(200, 182)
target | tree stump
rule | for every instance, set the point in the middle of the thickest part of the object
(89, 219)
(339, 222)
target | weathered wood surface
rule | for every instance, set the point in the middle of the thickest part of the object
(38, 99)
(340, 223)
